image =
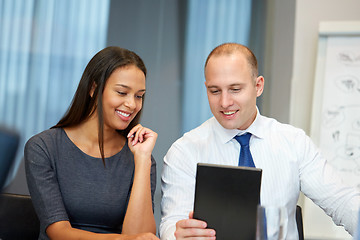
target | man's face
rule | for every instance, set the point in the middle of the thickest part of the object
(232, 90)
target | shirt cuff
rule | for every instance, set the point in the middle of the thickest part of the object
(168, 233)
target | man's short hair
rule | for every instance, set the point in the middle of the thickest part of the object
(231, 48)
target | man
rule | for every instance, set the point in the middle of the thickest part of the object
(290, 161)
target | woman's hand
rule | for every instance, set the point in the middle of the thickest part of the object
(141, 140)
(140, 236)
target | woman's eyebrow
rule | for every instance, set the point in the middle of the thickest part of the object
(122, 85)
(127, 87)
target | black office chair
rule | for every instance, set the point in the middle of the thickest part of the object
(9, 142)
(18, 220)
(299, 222)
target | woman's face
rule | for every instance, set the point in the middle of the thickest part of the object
(122, 97)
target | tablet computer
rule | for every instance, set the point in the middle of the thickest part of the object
(226, 197)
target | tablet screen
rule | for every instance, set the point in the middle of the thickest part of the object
(226, 197)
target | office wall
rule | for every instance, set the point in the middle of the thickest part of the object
(155, 30)
(278, 58)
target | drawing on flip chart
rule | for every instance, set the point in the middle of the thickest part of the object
(337, 115)
(347, 157)
(349, 58)
(339, 136)
(342, 125)
(356, 124)
(348, 84)
(333, 117)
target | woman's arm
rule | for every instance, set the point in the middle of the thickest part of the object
(47, 199)
(139, 215)
(63, 230)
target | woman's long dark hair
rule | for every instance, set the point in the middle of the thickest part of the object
(96, 74)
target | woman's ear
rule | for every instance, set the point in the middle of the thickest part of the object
(92, 90)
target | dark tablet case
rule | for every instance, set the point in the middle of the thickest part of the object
(226, 197)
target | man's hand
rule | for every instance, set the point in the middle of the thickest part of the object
(193, 229)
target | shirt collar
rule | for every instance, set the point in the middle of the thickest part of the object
(256, 128)
(226, 135)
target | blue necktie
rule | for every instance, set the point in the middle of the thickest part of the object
(245, 158)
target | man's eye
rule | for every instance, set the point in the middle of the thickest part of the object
(214, 91)
(140, 96)
(236, 90)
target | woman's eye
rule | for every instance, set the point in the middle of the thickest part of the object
(140, 96)
(121, 93)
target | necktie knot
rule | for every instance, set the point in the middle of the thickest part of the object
(243, 139)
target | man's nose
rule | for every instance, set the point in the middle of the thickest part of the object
(226, 100)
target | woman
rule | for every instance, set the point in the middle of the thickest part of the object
(92, 176)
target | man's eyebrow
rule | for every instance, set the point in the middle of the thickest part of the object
(231, 85)
(212, 86)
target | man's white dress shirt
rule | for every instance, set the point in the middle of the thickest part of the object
(290, 162)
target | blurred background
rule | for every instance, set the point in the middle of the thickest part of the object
(46, 44)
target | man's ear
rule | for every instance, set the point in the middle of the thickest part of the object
(92, 90)
(259, 85)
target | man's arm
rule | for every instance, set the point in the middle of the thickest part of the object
(322, 184)
(178, 187)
